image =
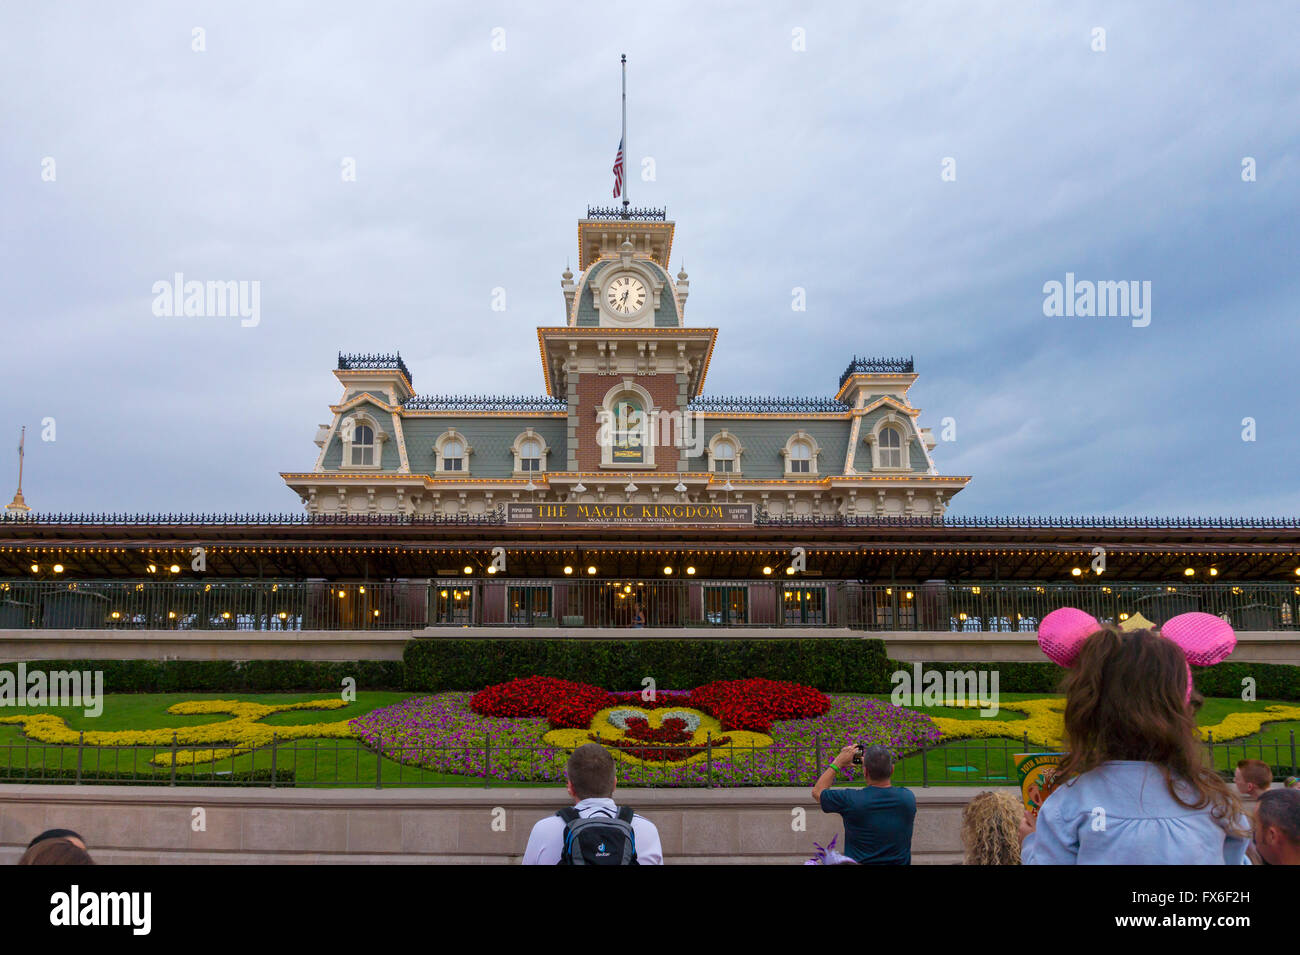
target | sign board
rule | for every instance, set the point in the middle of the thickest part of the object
(686, 515)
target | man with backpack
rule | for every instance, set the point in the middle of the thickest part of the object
(594, 830)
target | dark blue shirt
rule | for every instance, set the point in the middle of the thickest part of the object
(877, 822)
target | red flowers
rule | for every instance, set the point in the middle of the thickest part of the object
(755, 704)
(565, 704)
(737, 704)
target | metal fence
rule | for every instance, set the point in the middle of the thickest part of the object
(211, 605)
(571, 602)
(716, 764)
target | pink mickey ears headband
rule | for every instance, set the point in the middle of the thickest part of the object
(1204, 638)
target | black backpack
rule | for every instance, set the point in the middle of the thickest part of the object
(598, 839)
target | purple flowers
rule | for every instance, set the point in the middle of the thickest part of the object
(443, 734)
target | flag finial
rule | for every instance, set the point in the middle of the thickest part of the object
(18, 504)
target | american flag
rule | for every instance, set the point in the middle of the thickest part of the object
(618, 171)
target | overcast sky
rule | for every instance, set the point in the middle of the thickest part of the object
(817, 168)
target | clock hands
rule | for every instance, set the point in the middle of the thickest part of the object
(620, 302)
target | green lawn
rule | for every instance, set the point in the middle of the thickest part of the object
(316, 762)
(989, 760)
(320, 762)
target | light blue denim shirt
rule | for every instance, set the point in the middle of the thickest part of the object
(1122, 813)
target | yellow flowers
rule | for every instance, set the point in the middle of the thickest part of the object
(242, 734)
(1046, 723)
(611, 726)
(1235, 725)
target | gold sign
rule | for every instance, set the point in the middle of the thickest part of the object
(684, 514)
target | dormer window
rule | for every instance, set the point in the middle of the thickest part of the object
(890, 441)
(891, 448)
(362, 440)
(363, 446)
(453, 456)
(801, 453)
(530, 451)
(800, 457)
(451, 453)
(530, 455)
(724, 453)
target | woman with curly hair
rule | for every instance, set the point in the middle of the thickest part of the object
(990, 829)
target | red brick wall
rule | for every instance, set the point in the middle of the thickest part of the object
(591, 392)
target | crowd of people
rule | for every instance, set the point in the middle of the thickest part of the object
(1133, 788)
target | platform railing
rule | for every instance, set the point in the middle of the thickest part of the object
(566, 603)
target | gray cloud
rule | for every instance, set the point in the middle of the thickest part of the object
(817, 169)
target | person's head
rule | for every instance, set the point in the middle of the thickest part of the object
(1126, 698)
(878, 763)
(56, 851)
(68, 834)
(1277, 827)
(990, 829)
(1291, 782)
(590, 772)
(1253, 777)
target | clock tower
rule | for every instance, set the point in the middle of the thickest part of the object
(624, 355)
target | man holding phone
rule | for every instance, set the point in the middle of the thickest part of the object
(878, 817)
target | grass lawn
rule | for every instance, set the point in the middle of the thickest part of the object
(329, 762)
(989, 760)
(316, 762)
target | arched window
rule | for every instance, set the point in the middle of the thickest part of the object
(800, 457)
(891, 448)
(453, 455)
(363, 446)
(724, 456)
(530, 455)
(629, 430)
(623, 432)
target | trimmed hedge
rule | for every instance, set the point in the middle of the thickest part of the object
(226, 676)
(832, 665)
(1273, 681)
(837, 665)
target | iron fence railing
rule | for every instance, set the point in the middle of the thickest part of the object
(211, 605)
(572, 602)
(489, 762)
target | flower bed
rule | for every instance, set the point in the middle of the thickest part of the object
(241, 734)
(738, 704)
(731, 733)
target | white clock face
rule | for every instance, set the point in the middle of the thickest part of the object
(625, 295)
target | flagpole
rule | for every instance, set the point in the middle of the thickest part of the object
(18, 504)
(626, 168)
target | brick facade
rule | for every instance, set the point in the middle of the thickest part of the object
(591, 391)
